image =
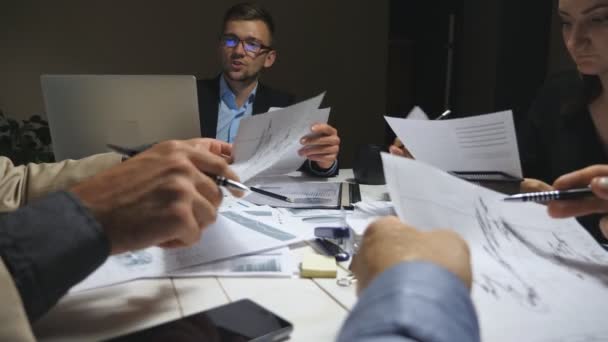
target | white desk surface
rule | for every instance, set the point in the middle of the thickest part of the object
(316, 307)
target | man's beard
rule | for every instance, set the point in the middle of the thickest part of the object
(244, 77)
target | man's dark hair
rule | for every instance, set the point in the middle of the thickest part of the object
(249, 11)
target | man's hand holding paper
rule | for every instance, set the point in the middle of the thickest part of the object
(321, 145)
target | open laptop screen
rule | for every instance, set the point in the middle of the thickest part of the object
(85, 112)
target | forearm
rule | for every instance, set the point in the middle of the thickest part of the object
(415, 301)
(21, 184)
(49, 246)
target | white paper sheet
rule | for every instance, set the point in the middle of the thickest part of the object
(479, 143)
(417, 114)
(535, 278)
(279, 218)
(268, 143)
(304, 195)
(276, 263)
(233, 234)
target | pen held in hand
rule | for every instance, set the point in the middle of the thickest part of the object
(219, 180)
(228, 183)
(545, 196)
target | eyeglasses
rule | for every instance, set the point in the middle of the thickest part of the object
(251, 46)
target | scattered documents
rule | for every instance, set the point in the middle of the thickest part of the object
(534, 278)
(233, 234)
(479, 143)
(279, 218)
(268, 143)
(304, 195)
(276, 263)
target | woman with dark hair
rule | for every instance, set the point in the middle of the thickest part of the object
(567, 126)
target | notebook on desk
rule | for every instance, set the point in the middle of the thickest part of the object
(309, 195)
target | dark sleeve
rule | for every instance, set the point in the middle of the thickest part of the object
(313, 169)
(529, 142)
(290, 99)
(540, 129)
(534, 131)
(49, 246)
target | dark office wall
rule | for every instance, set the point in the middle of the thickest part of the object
(476, 53)
(504, 54)
(336, 46)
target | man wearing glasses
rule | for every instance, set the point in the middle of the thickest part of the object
(245, 50)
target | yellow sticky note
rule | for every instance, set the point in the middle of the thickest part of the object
(318, 266)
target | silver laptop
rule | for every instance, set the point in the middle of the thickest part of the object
(85, 112)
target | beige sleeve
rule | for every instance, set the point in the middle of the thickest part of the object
(15, 325)
(21, 184)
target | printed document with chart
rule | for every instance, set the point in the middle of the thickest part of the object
(534, 278)
(235, 233)
(268, 143)
(478, 143)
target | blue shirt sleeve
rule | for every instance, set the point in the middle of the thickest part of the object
(414, 301)
(48, 246)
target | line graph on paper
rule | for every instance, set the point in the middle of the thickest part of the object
(269, 143)
(535, 278)
(554, 249)
(495, 234)
(510, 254)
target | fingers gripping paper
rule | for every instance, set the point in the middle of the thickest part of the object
(534, 278)
(268, 143)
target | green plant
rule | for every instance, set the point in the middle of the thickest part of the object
(25, 142)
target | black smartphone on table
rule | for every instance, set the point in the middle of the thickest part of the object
(243, 320)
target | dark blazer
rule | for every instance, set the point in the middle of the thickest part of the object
(209, 101)
(265, 97)
(558, 136)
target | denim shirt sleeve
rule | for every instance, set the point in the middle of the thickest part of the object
(48, 246)
(414, 301)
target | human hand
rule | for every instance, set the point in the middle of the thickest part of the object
(321, 145)
(161, 196)
(534, 185)
(217, 147)
(388, 242)
(398, 149)
(595, 176)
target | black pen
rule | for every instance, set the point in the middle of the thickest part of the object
(545, 196)
(219, 180)
(228, 183)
